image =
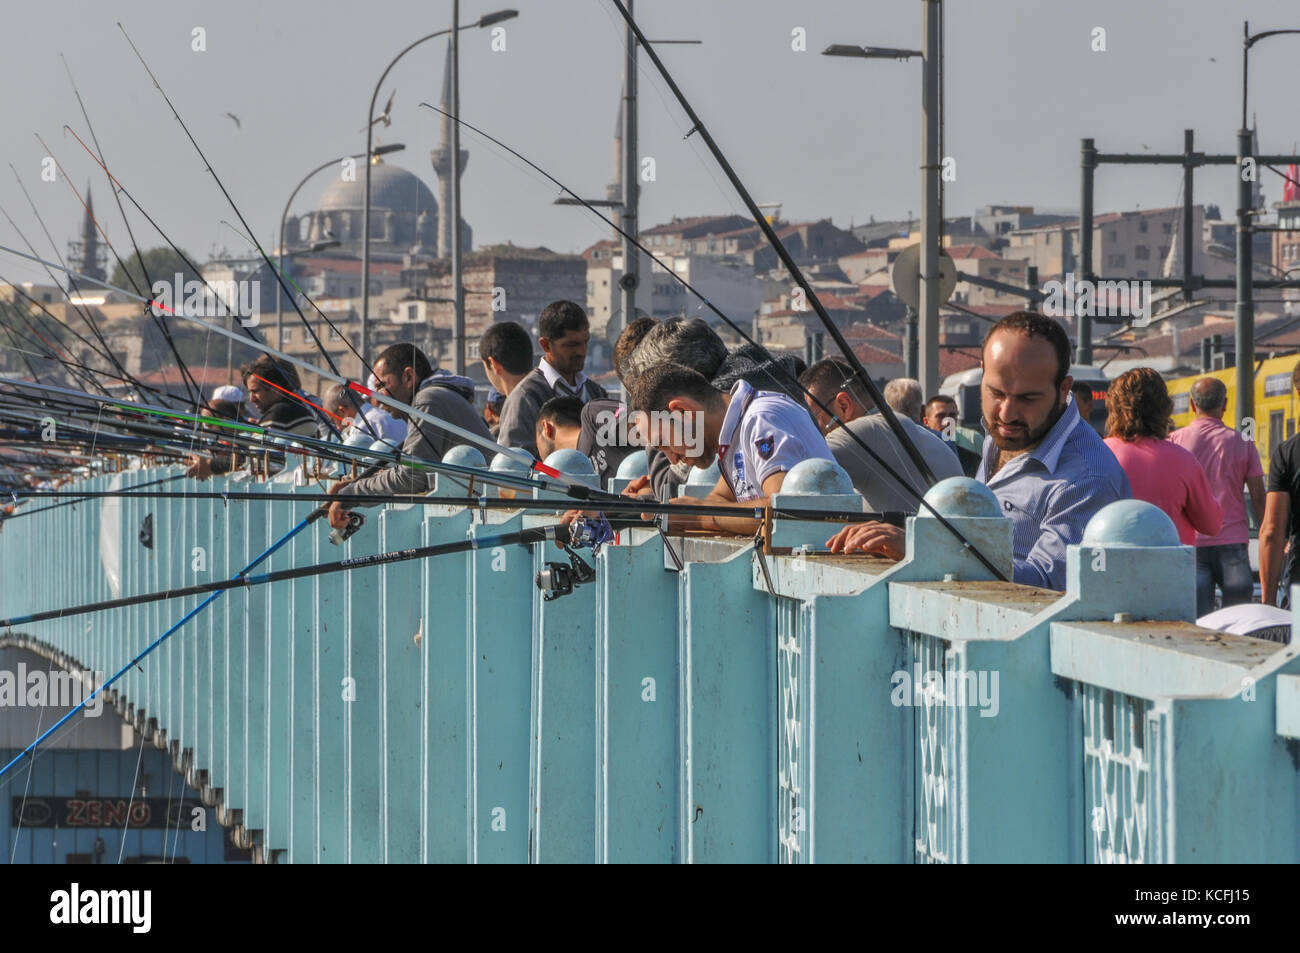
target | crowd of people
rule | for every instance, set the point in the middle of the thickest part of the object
(693, 403)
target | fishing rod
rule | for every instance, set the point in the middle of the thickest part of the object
(82, 498)
(786, 259)
(91, 370)
(266, 554)
(196, 395)
(79, 308)
(862, 444)
(340, 451)
(281, 438)
(265, 257)
(546, 474)
(61, 327)
(29, 320)
(144, 268)
(627, 505)
(558, 532)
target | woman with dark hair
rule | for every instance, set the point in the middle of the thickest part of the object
(1158, 471)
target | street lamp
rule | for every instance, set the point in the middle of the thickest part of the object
(870, 52)
(931, 225)
(284, 216)
(1245, 329)
(484, 21)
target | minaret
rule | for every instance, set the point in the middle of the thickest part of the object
(86, 254)
(441, 158)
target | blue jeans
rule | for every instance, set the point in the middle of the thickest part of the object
(1228, 567)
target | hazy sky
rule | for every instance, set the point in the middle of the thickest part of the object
(824, 136)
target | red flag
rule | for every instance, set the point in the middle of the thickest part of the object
(1291, 190)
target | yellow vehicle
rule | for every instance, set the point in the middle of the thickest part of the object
(1276, 405)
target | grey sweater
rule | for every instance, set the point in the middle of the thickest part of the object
(446, 397)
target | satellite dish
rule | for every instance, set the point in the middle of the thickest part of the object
(906, 276)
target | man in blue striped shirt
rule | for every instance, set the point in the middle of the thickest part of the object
(1049, 470)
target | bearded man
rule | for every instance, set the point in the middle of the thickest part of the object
(1049, 470)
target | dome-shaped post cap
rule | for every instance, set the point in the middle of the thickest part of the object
(1130, 523)
(817, 477)
(634, 465)
(961, 496)
(464, 455)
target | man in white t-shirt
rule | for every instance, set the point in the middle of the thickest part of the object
(755, 436)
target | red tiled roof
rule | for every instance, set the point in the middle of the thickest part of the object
(969, 251)
(865, 330)
(954, 362)
(870, 354)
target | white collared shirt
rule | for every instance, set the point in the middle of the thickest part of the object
(558, 384)
(764, 432)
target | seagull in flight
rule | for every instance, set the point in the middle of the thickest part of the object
(238, 124)
(386, 117)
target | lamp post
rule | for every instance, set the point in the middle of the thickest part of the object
(484, 21)
(931, 226)
(1245, 311)
(284, 217)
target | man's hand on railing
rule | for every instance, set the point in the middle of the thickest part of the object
(882, 539)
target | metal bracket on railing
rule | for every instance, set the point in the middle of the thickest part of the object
(762, 557)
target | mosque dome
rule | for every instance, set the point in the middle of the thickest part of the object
(391, 187)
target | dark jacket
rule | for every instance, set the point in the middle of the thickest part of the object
(440, 395)
(519, 413)
(601, 441)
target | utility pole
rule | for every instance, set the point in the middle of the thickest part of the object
(1083, 341)
(628, 283)
(1245, 310)
(928, 343)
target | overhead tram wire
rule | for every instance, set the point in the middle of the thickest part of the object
(905, 485)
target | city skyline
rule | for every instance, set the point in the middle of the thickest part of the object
(779, 102)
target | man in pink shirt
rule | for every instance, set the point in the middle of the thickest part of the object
(1230, 462)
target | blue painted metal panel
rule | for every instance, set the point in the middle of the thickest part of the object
(637, 704)
(441, 711)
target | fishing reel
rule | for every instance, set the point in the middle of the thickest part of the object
(557, 579)
(355, 522)
(590, 533)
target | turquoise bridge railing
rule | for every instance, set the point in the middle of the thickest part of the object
(856, 710)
